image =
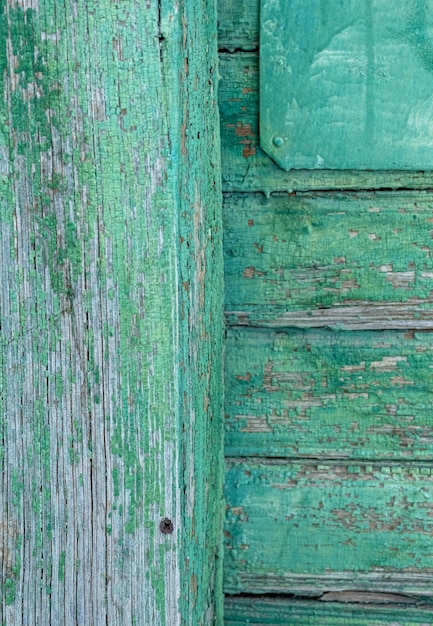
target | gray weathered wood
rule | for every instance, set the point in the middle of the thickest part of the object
(110, 369)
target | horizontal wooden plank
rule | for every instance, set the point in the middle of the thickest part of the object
(247, 168)
(306, 527)
(346, 260)
(329, 394)
(281, 612)
(368, 316)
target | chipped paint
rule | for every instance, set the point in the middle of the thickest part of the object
(328, 394)
(311, 612)
(312, 527)
(328, 370)
(94, 189)
(293, 258)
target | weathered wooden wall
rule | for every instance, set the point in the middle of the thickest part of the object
(245, 167)
(110, 308)
(328, 406)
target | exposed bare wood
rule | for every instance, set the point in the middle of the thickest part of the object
(346, 261)
(261, 611)
(329, 394)
(366, 598)
(110, 378)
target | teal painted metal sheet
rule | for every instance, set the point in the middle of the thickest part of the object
(347, 84)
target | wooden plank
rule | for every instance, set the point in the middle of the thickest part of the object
(308, 528)
(353, 261)
(238, 25)
(326, 394)
(110, 235)
(247, 168)
(281, 612)
(189, 58)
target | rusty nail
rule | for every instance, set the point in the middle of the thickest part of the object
(166, 526)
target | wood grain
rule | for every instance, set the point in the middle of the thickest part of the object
(329, 394)
(349, 261)
(349, 532)
(314, 527)
(281, 612)
(188, 52)
(110, 232)
(247, 168)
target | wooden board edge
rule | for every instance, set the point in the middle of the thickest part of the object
(261, 611)
(191, 62)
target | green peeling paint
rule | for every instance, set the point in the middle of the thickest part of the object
(305, 527)
(328, 303)
(95, 177)
(287, 613)
(318, 253)
(328, 394)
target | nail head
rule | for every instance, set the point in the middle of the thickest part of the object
(166, 526)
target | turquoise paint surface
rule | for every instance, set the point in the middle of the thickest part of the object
(321, 526)
(343, 86)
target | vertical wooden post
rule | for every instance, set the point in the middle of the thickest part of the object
(111, 313)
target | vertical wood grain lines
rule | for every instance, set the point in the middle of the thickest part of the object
(93, 342)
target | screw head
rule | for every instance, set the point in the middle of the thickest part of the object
(166, 526)
(278, 141)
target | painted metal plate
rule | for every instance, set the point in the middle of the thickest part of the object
(347, 84)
